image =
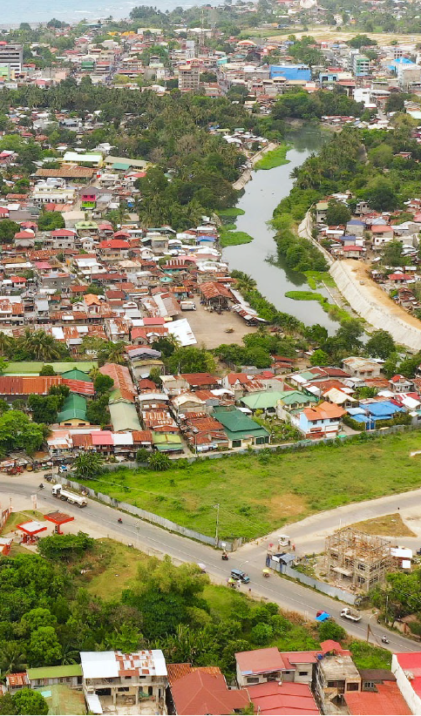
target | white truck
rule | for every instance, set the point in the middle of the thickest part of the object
(72, 497)
(187, 305)
(350, 614)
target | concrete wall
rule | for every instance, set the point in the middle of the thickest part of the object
(376, 314)
(405, 687)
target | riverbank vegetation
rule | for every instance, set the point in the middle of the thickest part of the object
(274, 158)
(302, 105)
(280, 487)
(233, 238)
(298, 253)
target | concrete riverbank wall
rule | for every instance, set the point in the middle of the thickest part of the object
(371, 303)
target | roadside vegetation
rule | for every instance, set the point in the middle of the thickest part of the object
(105, 595)
(278, 487)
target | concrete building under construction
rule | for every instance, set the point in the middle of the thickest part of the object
(356, 560)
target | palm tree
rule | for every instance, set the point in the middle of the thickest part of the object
(246, 283)
(40, 346)
(112, 353)
(5, 344)
(12, 658)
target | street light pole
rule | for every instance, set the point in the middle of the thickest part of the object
(217, 525)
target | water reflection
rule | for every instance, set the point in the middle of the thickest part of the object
(259, 259)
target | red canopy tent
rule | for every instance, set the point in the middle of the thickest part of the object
(30, 531)
(58, 519)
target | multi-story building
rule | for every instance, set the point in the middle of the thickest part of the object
(11, 55)
(112, 679)
(189, 76)
(360, 65)
(357, 560)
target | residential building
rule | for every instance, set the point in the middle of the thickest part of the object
(336, 676)
(321, 421)
(407, 670)
(112, 680)
(282, 698)
(189, 76)
(203, 690)
(11, 55)
(259, 666)
(362, 367)
(240, 430)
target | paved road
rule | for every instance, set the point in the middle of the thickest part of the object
(153, 540)
(309, 534)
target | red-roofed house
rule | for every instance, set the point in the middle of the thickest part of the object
(260, 665)
(200, 692)
(385, 700)
(407, 670)
(286, 698)
(114, 249)
(201, 381)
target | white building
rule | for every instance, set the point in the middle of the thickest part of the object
(112, 680)
(407, 670)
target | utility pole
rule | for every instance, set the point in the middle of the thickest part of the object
(217, 525)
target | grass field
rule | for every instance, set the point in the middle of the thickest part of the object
(274, 158)
(330, 34)
(387, 526)
(259, 493)
(17, 518)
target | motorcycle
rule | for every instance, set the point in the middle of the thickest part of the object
(120, 521)
(385, 640)
(224, 556)
(41, 487)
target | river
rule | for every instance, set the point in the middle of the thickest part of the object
(261, 196)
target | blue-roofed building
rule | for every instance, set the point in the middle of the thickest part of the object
(355, 227)
(395, 64)
(370, 413)
(290, 72)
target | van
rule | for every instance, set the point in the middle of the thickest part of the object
(240, 576)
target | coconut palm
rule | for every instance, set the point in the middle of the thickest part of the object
(12, 658)
(38, 345)
(5, 344)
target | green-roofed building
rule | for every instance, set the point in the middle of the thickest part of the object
(73, 411)
(121, 165)
(240, 430)
(34, 367)
(48, 675)
(266, 400)
(77, 374)
(167, 442)
(124, 416)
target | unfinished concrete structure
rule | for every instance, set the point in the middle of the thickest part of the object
(357, 560)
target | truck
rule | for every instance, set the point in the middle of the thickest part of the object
(350, 614)
(71, 497)
(187, 305)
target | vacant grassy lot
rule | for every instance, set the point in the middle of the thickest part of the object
(387, 526)
(18, 518)
(258, 493)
